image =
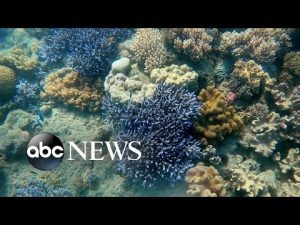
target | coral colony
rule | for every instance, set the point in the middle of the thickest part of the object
(88, 51)
(165, 155)
(194, 111)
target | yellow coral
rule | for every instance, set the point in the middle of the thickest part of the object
(7, 82)
(252, 72)
(217, 118)
(69, 87)
(204, 182)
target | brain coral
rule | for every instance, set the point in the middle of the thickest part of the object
(217, 118)
(260, 44)
(165, 156)
(204, 181)
(148, 49)
(175, 75)
(7, 82)
(196, 43)
(71, 88)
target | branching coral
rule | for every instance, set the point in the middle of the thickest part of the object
(260, 44)
(176, 75)
(89, 51)
(291, 69)
(204, 181)
(217, 118)
(7, 82)
(165, 156)
(209, 154)
(148, 49)
(27, 93)
(36, 188)
(196, 43)
(71, 88)
(291, 163)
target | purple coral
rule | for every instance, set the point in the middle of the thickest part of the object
(90, 51)
(37, 188)
(161, 123)
(27, 93)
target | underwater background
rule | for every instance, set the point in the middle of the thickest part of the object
(217, 111)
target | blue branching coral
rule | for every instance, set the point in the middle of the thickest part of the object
(37, 188)
(26, 93)
(89, 51)
(161, 123)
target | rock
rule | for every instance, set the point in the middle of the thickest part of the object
(122, 65)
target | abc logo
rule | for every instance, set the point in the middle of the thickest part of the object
(45, 151)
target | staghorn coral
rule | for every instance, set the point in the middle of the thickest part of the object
(196, 43)
(89, 51)
(36, 188)
(260, 44)
(291, 163)
(175, 75)
(7, 83)
(148, 49)
(204, 181)
(288, 189)
(27, 94)
(165, 156)
(217, 118)
(71, 88)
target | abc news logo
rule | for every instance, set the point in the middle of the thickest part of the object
(45, 151)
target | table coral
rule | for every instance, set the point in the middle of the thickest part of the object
(260, 44)
(69, 87)
(148, 49)
(175, 75)
(204, 181)
(291, 163)
(216, 118)
(196, 43)
(7, 82)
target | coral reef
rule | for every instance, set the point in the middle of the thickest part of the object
(288, 189)
(123, 88)
(50, 178)
(89, 51)
(209, 154)
(204, 181)
(222, 69)
(291, 163)
(27, 93)
(69, 87)
(7, 82)
(217, 118)
(246, 178)
(263, 45)
(148, 49)
(35, 188)
(165, 156)
(291, 69)
(176, 75)
(196, 43)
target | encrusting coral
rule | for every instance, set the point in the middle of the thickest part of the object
(7, 82)
(148, 49)
(261, 44)
(204, 181)
(71, 88)
(196, 43)
(217, 118)
(175, 75)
